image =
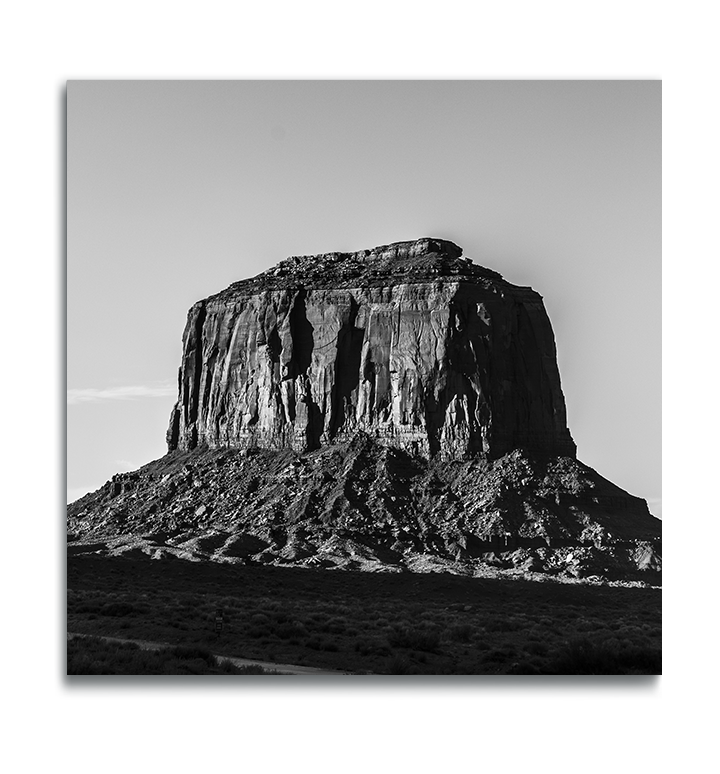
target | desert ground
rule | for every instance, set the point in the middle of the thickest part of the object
(360, 622)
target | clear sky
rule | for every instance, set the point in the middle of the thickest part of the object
(176, 189)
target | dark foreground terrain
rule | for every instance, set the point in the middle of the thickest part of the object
(383, 623)
(96, 656)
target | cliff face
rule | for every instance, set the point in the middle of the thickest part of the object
(410, 343)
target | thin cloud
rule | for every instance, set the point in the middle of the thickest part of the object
(136, 392)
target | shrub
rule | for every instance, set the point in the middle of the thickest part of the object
(581, 656)
(523, 668)
(536, 648)
(334, 626)
(399, 665)
(322, 643)
(290, 629)
(371, 646)
(404, 637)
(86, 607)
(505, 625)
(461, 632)
(500, 655)
(192, 652)
(468, 667)
(117, 609)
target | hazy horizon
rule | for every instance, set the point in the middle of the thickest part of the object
(176, 189)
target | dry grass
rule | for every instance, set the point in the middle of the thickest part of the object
(95, 656)
(360, 622)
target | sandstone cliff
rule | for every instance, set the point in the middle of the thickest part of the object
(410, 342)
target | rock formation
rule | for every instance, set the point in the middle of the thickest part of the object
(409, 342)
(396, 408)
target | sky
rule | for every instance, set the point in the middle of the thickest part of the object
(175, 189)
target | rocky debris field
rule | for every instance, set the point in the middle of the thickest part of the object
(361, 505)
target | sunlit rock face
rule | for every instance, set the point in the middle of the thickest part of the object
(411, 343)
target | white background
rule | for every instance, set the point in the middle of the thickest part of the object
(636, 36)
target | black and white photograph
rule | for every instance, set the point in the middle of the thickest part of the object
(364, 378)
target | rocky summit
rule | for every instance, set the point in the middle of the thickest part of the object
(391, 409)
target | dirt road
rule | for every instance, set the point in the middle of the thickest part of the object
(283, 669)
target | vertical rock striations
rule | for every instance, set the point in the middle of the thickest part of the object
(410, 343)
